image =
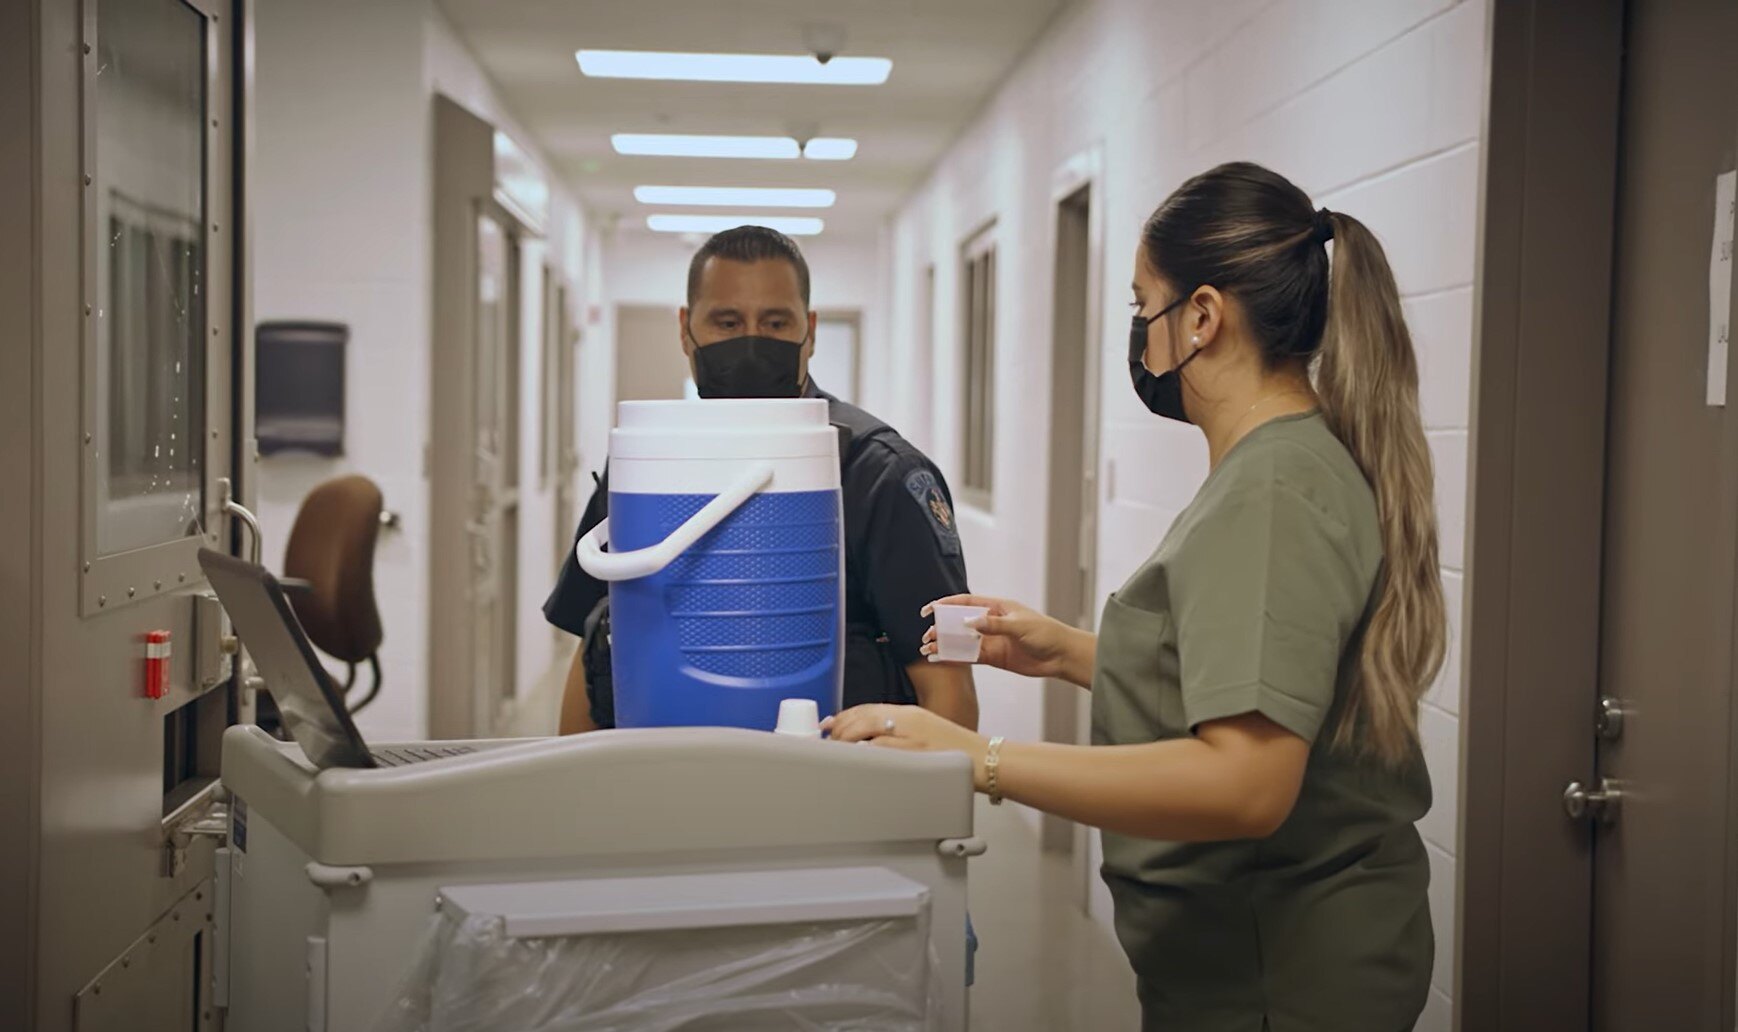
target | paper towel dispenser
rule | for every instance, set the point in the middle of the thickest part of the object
(299, 386)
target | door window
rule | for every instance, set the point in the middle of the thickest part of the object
(148, 441)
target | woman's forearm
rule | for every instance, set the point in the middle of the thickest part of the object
(1180, 790)
(1079, 657)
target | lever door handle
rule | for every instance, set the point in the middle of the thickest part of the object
(1598, 804)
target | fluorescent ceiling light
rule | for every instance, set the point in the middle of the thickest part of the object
(676, 145)
(830, 148)
(782, 68)
(680, 146)
(793, 226)
(735, 197)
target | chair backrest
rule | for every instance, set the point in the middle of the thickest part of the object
(332, 548)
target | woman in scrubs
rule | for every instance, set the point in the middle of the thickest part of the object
(1255, 764)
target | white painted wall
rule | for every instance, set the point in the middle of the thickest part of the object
(342, 203)
(341, 183)
(1373, 106)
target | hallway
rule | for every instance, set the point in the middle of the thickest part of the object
(1328, 387)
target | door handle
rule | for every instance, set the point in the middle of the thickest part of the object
(478, 535)
(206, 815)
(231, 507)
(1599, 804)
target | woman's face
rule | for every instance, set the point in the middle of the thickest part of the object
(1153, 295)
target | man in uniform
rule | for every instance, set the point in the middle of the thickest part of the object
(748, 333)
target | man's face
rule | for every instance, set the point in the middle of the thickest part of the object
(749, 299)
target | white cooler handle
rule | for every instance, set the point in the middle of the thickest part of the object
(643, 562)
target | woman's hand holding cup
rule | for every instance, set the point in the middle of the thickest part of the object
(1009, 635)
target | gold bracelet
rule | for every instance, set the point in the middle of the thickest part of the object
(992, 771)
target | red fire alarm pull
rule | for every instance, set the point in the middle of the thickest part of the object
(156, 664)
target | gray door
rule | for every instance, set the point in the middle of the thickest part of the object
(494, 527)
(1663, 905)
(1071, 547)
(125, 327)
(650, 365)
(566, 457)
(474, 435)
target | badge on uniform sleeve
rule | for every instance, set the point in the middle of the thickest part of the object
(927, 492)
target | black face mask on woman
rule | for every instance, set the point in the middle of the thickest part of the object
(748, 367)
(1162, 393)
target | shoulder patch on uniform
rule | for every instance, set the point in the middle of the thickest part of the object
(927, 493)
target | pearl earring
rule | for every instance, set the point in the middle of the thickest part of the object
(1194, 340)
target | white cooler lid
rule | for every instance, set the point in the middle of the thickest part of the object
(723, 428)
(760, 414)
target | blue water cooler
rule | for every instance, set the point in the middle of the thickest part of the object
(725, 561)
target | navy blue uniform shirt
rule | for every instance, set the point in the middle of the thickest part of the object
(902, 551)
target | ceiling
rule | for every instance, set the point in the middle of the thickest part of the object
(948, 57)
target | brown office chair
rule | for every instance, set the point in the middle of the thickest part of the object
(329, 575)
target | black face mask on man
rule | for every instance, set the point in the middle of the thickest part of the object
(1162, 393)
(748, 367)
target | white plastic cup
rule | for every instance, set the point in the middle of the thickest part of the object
(800, 718)
(954, 641)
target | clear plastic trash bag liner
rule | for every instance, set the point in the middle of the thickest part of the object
(859, 976)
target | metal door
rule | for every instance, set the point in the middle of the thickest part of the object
(474, 448)
(1072, 545)
(566, 423)
(133, 434)
(1663, 901)
(494, 527)
(1071, 552)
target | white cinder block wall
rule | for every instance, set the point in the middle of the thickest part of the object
(342, 203)
(1373, 106)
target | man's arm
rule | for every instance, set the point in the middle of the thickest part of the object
(575, 703)
(573, 601)
(946, 689)
(915, 557)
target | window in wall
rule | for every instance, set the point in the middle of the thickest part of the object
(922, 417)
(978, 379)
(546, 370)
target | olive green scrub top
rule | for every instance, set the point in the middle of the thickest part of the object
(1254, 603)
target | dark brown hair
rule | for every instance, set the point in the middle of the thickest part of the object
(749, 244)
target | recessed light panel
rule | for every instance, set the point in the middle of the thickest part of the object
(801, 69)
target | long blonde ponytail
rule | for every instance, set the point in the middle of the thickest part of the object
(1367, 379)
